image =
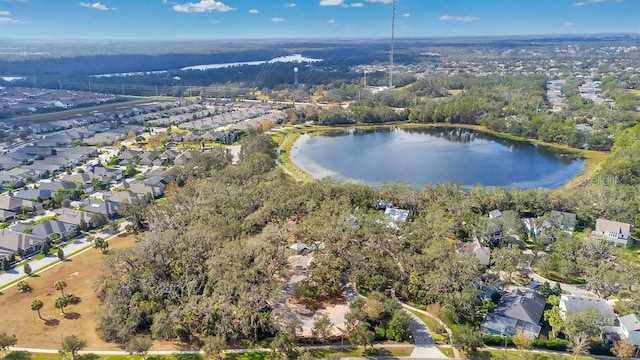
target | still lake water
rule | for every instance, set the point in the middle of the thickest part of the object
(430, 156)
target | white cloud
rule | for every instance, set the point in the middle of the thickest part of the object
(355, 5)
(381, 1)
(254, 11)
(202, 6)
(216, 21)
(569, 24)
(96, 6)
(289, 5)
(587, 2)
(457, 18)
(331, 2)
(332, 22)
(8, 20)
(4, 13)
(406, 15)
(277, 19)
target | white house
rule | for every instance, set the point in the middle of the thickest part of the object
(571, 304)
(615, 232)
(630, 328)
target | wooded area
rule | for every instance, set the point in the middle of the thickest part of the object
(213, 258)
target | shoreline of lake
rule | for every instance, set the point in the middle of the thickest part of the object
(592, 159)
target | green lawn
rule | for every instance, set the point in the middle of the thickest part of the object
(515, 355)
(447, 351)
(434, 327)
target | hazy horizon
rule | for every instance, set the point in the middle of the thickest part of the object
(311, 19)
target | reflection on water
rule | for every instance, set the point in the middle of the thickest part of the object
(432, 155)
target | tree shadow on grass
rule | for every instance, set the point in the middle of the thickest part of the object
(188, 357)
(52, 322)
(374, 353)
(88, 357)
(72, 316)
(18, 355)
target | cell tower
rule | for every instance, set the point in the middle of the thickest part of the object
(393, 32)
(295, 75)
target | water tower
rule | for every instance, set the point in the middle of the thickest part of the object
(295, 75)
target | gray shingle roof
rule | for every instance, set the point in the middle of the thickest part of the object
(572, 304)
(613, 226)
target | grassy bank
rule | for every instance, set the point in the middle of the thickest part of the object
(287, 138)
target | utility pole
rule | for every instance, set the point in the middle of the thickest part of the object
(393, 32)
(90, 86)
(122, 88)
(60, 83)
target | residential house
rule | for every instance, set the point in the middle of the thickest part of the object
(78, 178)
(552, 225)
(47, 228)
(17, 205)
(119, 197)
(73, 216)
(106, 175)
(141, 189)
(630, 328)
(12, 242)
(518, 312)
(6, 215)
(34, 194)
(571, 304)
(105, 207)
(566, 221)
(496, 236)
(615, 232)
(477, 250)
(146, 158)
(183, 158)
(57, 185)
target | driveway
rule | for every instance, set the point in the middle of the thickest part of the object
(425, 347)
(572, 289)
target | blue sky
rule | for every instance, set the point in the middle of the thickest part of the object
(234, 19)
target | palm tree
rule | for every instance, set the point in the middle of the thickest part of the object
(61, 303)
(60, 285)
(36, 305)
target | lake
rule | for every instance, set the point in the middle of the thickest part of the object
(430, 156)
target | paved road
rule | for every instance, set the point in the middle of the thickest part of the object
(573, 289)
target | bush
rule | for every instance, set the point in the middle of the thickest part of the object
(72, 299)
(495, 340)
(551, 344)
(600, 349)
(381, 333)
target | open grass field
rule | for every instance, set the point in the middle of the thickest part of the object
(515, 355)
(80, 274)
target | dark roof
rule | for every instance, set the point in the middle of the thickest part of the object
(46, 228)
(522, 305)
(30, 194)
(55, 185)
